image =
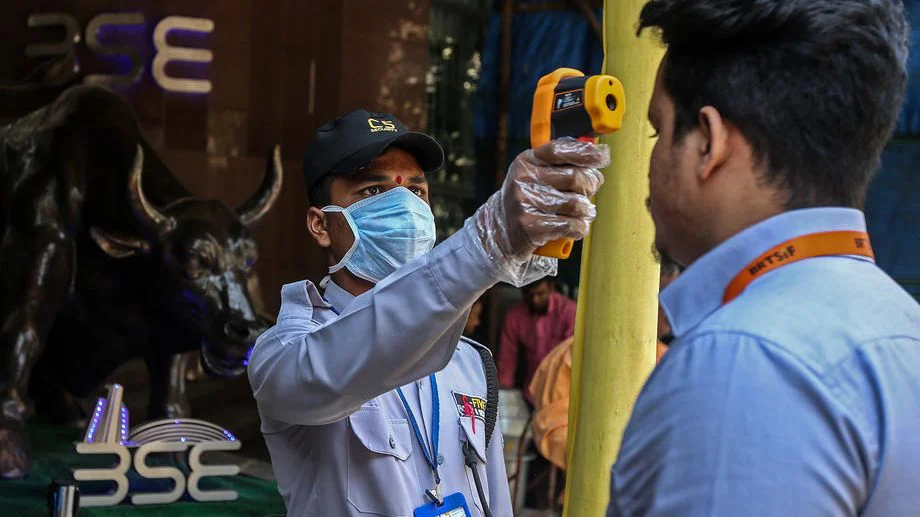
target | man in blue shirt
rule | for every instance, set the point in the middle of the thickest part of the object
(793, 385)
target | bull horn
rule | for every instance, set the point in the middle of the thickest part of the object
(264, 198)
(148, 215)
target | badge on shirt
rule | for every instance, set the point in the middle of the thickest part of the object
(468, 405)
(454, 506)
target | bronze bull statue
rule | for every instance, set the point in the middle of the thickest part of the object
(106, 257)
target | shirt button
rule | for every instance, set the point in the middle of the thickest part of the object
(440, 459)
(392, 443)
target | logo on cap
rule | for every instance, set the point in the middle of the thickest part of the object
(381, 125)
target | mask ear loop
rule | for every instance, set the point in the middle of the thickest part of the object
(354, 232)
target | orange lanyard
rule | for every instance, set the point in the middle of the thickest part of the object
(807, 246)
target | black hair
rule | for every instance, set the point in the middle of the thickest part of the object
(538, 282)
(320, 194)
(814, 85)
(669, 267)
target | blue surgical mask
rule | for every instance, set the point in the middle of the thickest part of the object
(390, 229)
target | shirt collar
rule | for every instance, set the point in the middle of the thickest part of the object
(295, 296)
(335, 296)
(698, 292)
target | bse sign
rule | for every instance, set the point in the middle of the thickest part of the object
(119, 473)
(102, 25)
(108, 434)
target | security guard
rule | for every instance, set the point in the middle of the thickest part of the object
(371, 403)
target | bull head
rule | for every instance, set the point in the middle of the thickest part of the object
(199, 261)
(249, 212)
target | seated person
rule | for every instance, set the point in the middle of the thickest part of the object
(550, 387)
(532, 328)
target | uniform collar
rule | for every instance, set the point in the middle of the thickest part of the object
(335, 296)
(697, 292)
(297, 296)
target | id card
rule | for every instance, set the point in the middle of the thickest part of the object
(454, 506)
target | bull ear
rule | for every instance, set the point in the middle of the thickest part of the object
(267, 194)
(118, 246)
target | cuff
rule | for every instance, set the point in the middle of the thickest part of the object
(461, 268)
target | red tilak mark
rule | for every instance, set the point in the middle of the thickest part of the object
(399, 180)
(468, 409)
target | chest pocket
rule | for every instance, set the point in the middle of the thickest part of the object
(478, 441)
(381, 478)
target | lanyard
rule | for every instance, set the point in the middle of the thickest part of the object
(432, 456)
(800, 248)
(331, 307)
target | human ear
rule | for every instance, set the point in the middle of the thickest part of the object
(317, 226)
(714, 146)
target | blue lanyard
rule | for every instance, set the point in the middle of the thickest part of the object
(432, 456)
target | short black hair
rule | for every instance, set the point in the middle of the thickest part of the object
(538, 282)
(814, 85)
(669, 267)
(320, 194)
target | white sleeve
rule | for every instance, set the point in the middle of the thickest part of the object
(407, 327)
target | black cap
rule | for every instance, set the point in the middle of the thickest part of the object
(352, 141)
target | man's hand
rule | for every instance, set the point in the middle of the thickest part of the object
(546, 196)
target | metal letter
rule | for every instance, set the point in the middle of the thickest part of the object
(199, 471)
(173, 473)
(115, 20)
(167, 53)
(67, 47)
(116, 473)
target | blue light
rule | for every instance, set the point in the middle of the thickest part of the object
(97, 417)
(248, 355)
(124, 424)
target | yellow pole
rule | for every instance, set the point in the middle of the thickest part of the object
(615, 343)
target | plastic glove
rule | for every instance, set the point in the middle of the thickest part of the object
(546, 196)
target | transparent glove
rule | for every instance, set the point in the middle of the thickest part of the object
(546, 196)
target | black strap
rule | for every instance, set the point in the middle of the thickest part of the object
(470, 460)
(488, 365)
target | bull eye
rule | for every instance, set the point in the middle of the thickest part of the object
(193, 267)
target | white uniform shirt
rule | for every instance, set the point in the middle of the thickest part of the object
(325, 378)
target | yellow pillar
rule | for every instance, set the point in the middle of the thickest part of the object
(615, 329)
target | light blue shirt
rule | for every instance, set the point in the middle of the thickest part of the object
(325, 378)
(799, 398)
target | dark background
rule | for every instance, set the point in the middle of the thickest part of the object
(365, 53)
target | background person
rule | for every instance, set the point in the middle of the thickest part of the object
(551, 384)
(532, 328)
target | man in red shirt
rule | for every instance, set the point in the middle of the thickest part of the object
(533, 326)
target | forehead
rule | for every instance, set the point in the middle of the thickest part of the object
(536, 288)
(207, 218)
(393, 162)
(396, 160)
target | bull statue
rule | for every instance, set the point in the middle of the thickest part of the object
(106, 257)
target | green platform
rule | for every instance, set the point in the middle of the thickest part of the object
(55, 457)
